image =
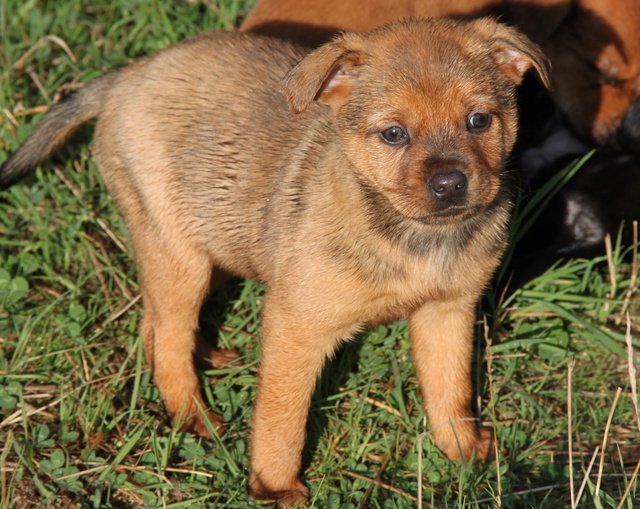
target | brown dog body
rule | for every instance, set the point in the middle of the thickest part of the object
(595, 54)
(311, 22)
(593, 45)
(382, 197)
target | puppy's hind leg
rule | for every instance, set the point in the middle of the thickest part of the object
(206, 355)
(175, 278)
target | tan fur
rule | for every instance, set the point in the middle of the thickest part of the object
(215, 175)
(593, 45)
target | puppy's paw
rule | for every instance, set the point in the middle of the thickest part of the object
(198, 425)
(297, 496)
(207, 357)
(481, 449)
(485, 450)
(220, 357)
(466, 441)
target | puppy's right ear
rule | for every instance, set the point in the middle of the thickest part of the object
(327, 75)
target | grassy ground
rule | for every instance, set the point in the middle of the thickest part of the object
(82, 425)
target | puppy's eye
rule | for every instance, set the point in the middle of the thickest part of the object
(478, 122)
(394, 135)
(610, 80)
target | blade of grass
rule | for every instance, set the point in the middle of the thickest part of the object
(604, 442)
(570, 433)
(586, 475)
(633, 376)
(632, 480)
(136, 436)
(606, 340)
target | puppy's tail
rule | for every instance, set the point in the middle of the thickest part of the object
(59, 123)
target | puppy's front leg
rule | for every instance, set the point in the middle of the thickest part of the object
(442, 345)
(293, 354)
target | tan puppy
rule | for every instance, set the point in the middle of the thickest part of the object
(365, 187)
(593, 45)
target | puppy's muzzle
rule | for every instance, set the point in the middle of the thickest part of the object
(450, 187)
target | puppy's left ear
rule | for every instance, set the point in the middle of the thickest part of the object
(327, 75)
(515, 53)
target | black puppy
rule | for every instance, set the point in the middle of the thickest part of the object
(600, 198)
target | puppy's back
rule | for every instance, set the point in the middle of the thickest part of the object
(221, 71)
(205, 128)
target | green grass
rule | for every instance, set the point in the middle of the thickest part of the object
(82, 425)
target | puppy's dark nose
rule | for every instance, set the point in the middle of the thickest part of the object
(448, 186)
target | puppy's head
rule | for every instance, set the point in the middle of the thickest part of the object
(425, 110)
(595, 53)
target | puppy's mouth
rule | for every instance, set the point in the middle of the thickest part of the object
(449, 215)
(453, 211)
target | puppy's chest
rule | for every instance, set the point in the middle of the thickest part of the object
(374, 299)
(393, 277)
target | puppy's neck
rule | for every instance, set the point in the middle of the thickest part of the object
(417, 237)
